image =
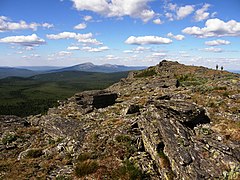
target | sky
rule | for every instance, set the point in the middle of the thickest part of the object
(124, 32)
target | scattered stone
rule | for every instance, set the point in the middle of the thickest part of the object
(132, 109)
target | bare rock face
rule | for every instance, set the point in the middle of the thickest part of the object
(190, 115)
(173, 134)
(59, 127)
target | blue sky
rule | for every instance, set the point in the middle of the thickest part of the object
(127, 32)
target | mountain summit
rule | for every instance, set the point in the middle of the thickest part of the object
(169, 121)
(106, 68)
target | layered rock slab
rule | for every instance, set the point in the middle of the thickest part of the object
(173, 134)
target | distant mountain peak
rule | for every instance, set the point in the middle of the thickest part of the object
(27, 71)
(87, 64)
(106, 68)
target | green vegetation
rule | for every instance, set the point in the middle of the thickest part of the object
(35, 95)
(206, 89)
(84, 156)
(123, 138)
(146, 73)
(127, 171)
(8, 138)
(161, 154)
(54, 141)
(216, 88)
(126, 144)
(190, 80)
(85, 164)
(86, 167)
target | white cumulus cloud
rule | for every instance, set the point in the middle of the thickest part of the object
(31, 40)
(111, 57)
(146, 15)
(170, 16)
(141, 40)
(175, 12)
(217, 42)
(201, 14)
(47, 25)
(172, 7)
(139, 49)
(80, 26)
(184, 11)
(117, 8)
(82, 38)
(215, 28)
(98, 49)
(177, 37)
(69, 35)
(7, 25)
(73, 48)
(157, 21)
(87, 18)
(212, 49)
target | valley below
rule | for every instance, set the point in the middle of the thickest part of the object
(24, 96)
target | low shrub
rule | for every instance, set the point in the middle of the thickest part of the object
(86, 167)
(190, 80)
(8, 138)
(83, 157)
(146, 73)
(127, 171)
(220, 88)
(123, 138)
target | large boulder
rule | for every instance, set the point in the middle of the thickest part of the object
(177, 136)
(96, 99)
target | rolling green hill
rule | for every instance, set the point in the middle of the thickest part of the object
(8, 71)
(33, 95)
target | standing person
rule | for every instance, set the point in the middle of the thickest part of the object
(217, 67)
(221, 68)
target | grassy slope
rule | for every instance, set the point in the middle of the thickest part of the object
(34, 95)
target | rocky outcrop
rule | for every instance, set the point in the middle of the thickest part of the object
(169, 121)
(177, 136)
(69, 127)
(11, 123)
(96, 99)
